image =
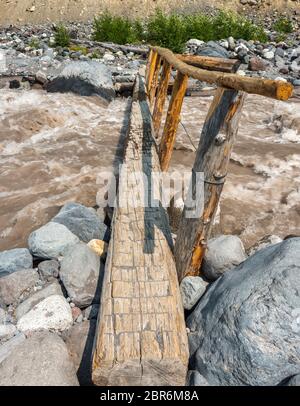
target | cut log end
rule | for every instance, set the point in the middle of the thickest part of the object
(284, 91)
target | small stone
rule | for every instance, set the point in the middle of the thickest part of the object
(191, 289)
(268, 54)
(49, 269)
(223, 253)
(41, 77)
(109, 57)
(24, 307)
(257, 64)
(7, 331)
(51, 241)
(14, 260)
(99, 247)
(53, 313)
(14, 285)
(76, 312)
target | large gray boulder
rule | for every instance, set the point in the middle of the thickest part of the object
(14, 260)
(41, 360)
(80, 272)
(17, 284)
(85, 78)
(212, 48)
(51, 241)
(223, 253)
(294, 381)
(244, 330)
(195, 379)
(82, 221)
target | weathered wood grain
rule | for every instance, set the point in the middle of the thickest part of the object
(172, 120)
(154, 84)
(151, 70)
(162, 92)
(210, 63)
(276, 89)
(141, 335)
(212, 159)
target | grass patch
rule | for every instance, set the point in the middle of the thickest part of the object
(34, 43)
(78, 48)
(62, 36)
(283, 25)
(172, 31)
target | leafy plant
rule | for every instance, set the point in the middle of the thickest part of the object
(34, 43)
(115, 29)
(283, 25)
(62, 36)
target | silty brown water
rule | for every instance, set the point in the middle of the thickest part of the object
(54, 146)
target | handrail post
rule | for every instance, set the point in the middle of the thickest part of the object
(154, 84)
(172, 120)
(152, 66)
(162, 92)
(211, 163)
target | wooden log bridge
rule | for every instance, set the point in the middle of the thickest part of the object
(141, 337)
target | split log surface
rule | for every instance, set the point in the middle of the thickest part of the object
(211, 63)
(212, 159)
(141, 335)
(276, 89)
(162, 92)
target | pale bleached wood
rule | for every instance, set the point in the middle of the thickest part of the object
(212, 159)
(141, 336)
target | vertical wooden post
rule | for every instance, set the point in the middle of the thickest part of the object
(172, 120)
(212, 159)
(154, 84)
(148, 65)
(162, 92)
(151, 72)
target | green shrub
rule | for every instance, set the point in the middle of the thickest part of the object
(172, 31)
(62, 36)
(115, 29)
(283, 25)
(167, 31)
(34, 43)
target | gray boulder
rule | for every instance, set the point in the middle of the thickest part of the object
(191, 289)
(195, 379)
(80, 273)
(7, 347)
(17, 284)
(41, 360)
(212, 48)
(79, 340)
(51, 241)
(82, 221)
(24, 307)
(14, 260)
(48, 269)
(245, 330)
(223, 253)
(7, 331)
(85, 78)
(294, 381)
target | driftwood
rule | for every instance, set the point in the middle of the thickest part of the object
(141, 335)
(212, 159)
(275, 89)
(211, 63)
(113, 47)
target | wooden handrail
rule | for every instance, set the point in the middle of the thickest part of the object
(276, 89)
(210, 63)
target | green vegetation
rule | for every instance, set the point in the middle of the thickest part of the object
(283, 25)
(34, 43)
(116, 29)
(62, 36)
(172, 31)
(77, 48)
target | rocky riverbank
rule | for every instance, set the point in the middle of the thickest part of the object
(50, 295)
